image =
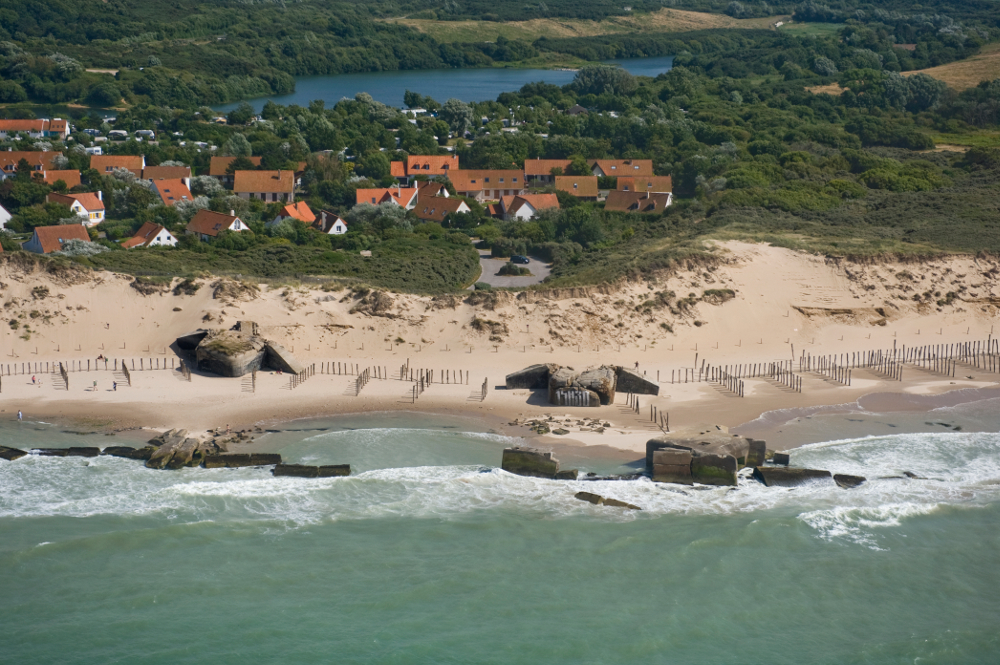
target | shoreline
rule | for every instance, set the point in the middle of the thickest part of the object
(623, 441)
(756, 307)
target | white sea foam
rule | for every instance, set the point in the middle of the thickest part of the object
(957, 469)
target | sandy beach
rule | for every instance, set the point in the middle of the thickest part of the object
(759, 304)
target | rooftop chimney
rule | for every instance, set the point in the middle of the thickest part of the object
(100, 195)
(232, 213)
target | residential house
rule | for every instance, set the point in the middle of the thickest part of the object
(218, 165)
(299, 211)
(437, 208)
(622, 167)
(431, 188)
(150, 235)
(57, 128)
(539, 171)
(637, 201)
(401, 196)
(167, 173)
(88, 204)
(656, 184)
(576, 109)
(48, 239)
(105, 164)
(37, 160)
(486, 185)
(525, 207)
(4, 217)
(173, 190)
(208, 224)
(69, 176)
(428, 165)
(269, 186)
(330, 223)
(580, 186)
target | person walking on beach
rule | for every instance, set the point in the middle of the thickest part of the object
(228, 429)
(32, 379)
(114, 384)
(637, 365)
(95, 386)
(19, 415)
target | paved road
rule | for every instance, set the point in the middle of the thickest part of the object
(490, 266)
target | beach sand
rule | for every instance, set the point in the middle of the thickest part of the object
(783, 304)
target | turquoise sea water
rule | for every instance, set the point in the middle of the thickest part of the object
(430, 554)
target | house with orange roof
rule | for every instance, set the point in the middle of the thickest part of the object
(622, 167)
(539, 171)
(428, 165)
(69, 176)
(37, 160)
(401, 196)
(330, 223)
(87, 204)
(580, 186)
(526, 206)
(48, 239)
(56, 128)
(167, 173)
(172, 191)
(208, 224)
(106, 164)
(268, 186)
(437, 208)
(218, 166)
(657, 184)
(637, 201)
(488, 185)
(299, 211)
(150, 235)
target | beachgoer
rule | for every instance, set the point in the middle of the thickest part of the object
(637, 365)
(95, 386)
(228, 429)
(115, 385)
(19, 416)
(32, 380)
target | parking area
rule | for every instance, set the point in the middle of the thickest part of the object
(490, 266)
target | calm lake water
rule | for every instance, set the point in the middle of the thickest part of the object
(469, 85)
(430, 554)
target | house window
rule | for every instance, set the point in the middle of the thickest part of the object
(513, 179)
(613, 168)
(501, 181)
(574, 185)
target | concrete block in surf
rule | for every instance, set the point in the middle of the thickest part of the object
(529, 462)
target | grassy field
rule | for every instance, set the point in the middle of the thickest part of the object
(812, 29)
(973, 139)
(664, 20)
(968, 73)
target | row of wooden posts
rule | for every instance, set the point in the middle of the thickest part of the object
(84, 366)
(363, 378)
(730, 381)
(295, 380)
(782, 373)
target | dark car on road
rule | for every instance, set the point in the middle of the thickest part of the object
(517, 258)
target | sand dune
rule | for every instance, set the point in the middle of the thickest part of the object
(757, 305)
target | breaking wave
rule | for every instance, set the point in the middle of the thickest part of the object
(959, 469)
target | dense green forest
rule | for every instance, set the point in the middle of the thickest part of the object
(186, 53)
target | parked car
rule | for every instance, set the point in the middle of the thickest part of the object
(517, 258)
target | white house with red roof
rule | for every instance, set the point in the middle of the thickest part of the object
(299, 211)
(89, 205)
(330, 223)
